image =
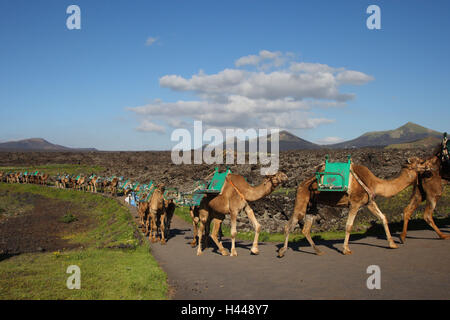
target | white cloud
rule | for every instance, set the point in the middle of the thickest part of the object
(330, 140)
(150, 41)
(148, 126)
(284, 97)
(353, 77)
(264, 60)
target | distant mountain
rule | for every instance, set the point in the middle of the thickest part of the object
(405, 134)
(287, 141)
(426, 143)
(37, 144)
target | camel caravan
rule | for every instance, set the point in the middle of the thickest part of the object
(337, 184)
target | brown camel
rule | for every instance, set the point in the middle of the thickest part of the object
(234, 198)
(194, 213)
(359, 193)
(43, 179)
(143, 212)
(156, 212)
(92, 184)
(429, 187)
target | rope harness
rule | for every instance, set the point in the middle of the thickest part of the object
(235, 188)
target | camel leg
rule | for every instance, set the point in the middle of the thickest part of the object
(148, 225)
(287, 229)
(203, 217)
(256, 226)
(348, 228)
(216, 227)
(416, 199)
(154, 225)
(162, 228)
(428, 216)
(377, 212)
(233, 217)
(194, 224)
(306, 230)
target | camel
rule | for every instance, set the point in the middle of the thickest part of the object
(76, 182)
(234, 198)
(92, 183)
(429, 187)
(194, 213)
(157, 212)
(43, 179)
(363, 187)
(111, 185)
(65, 181)
(142, 212)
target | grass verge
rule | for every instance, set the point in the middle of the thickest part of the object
(114, 263)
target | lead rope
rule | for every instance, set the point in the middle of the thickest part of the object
(235, 188)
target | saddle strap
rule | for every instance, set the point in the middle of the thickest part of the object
(235, 188)
(369, 192)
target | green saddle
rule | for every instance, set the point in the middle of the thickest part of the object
(214, 187)
(335, 177)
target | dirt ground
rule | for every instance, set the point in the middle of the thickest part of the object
(40, 228)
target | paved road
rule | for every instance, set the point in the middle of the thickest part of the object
(417, 270)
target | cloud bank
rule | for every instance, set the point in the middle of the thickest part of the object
(266, 90)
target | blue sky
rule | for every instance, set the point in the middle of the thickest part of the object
(104, 86)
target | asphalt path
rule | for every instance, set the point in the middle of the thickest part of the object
(419, 269)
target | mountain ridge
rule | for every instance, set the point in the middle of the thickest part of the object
(37, 144)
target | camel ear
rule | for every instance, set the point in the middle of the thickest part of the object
(409, 160)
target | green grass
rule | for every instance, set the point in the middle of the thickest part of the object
(107, 271)
(54, 169)
(68, 218)
(284, 191)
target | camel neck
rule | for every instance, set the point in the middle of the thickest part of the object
(391, 187)
(257, 192)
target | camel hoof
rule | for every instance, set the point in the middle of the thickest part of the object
(445, 236)
(393, 246)
(233, 253)
(225, 252)
(193, 244)
(199, 253)
(347, 252)
(154, 240)
(163, 242)
(319, 253)
(254, 251)
(402, 239)
(281, 252)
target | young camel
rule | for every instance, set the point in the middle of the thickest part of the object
(194, 213)
(92, 183)
(234, 198)
(359, 193)
(157, 212)
(43, 179)
(428, 187)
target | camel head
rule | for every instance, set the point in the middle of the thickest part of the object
(277, 178)
(418, 165)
